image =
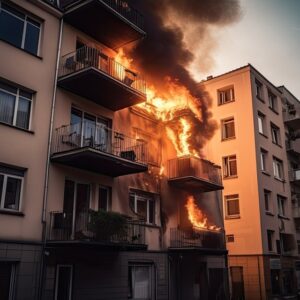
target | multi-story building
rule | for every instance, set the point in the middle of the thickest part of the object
(257, 121)
(87, 210)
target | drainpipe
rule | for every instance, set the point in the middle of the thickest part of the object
(46, 183)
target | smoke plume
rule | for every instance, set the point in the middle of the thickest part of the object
(165, 53)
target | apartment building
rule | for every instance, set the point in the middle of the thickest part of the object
(27, 72)
(93, 195)
(256, 145)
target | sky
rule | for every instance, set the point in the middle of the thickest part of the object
(267, 35)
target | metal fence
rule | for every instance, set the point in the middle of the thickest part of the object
(67, 227)
(194, 238)
(87, 57)
(101, 138)
(196, 167)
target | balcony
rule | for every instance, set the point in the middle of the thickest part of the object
(98, 149)
(293, 146)
(91, 74)
(95, 17)
(192, 173)
(295, 176)
(291, 116)
(194, 239)
(105, 231)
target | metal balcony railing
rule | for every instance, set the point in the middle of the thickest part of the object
(120, 6)
(195, 167)
(195, 238)
(87, 57)
(67, 227)
(294, 175)
(101, 138)
(291, 112)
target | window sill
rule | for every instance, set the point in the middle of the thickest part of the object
(18, 128)
(23, 50)
(151, 225)
(232, 217)
(276, 144)
(279, 179)
(220, 104)
(269, 214)
(228, 139)
(262, 134)
(282, 217)
(260, 99)
(265, 173)
(11, 212)
(273, 110)
(230, 177)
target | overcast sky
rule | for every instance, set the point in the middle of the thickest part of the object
(268, 37)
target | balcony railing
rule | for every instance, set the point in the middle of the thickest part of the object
(67, 227)
(189, 168)
(295, 175)
(120, 6)
(293, 146)
(87, 57)
(100, 138)
(291, 116)
(194, 238)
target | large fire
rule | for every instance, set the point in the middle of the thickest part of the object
(197, 217)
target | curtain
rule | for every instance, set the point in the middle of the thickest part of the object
(7, 106)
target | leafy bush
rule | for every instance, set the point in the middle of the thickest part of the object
(107, 225)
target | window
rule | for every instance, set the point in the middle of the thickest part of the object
(229, 166)
(143, 204)
(225, 95)
(263, 160)
(237, 282)
(229, 238)
(15, 106)
(275, 132)
(63, 286)
(267, 199)
(228, 130)
(261, 123)
(259, 89)
(11, 182)
(232, 207)
(281, 203)
(7, 280)
(19, 29)
(104, 198)
(270, 236)
(275, 282)
(141, 282)
(272, 101)
(278, 168)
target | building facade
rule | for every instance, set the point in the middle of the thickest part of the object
(93, 195)
(253, 145)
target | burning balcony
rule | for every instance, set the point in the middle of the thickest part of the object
(192, 173)
(291, 116)
(98, 149)
(104, 229)
(196, 239)
(91, 74)
(94, 17)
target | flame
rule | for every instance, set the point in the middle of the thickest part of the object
(123, 60)
(161, 171)
(197, 217)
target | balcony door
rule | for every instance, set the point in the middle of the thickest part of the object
(92, 131)
(76, 206)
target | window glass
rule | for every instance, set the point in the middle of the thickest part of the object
(139, 281)
(6, 280)
(12, 195)
(32, 38)
(11, 28)
(104, 198)
(228, 129)
(232, 205)
(64, 283)
(1, 184)
(7, 107)
(270, 235)
(141, 208)
(230, 166)
(23, 113)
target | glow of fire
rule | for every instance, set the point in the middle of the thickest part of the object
(122, 63)
(197, 217)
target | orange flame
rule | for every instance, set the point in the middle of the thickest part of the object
(197, 217)
(122, 59)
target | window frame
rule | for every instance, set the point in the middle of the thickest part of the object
(58, 266)
(16, 104)
(263, 160)
(3, 192)
(261, 123)
(259, 87)
(12, 10)
(278, 168)
(12, 279)
(228, 198)
(273, 101)
(281, 205)
(275, 134)
(108, 199)
(268, 201)
(270, 240)
(142, 196)
(222, 91)
(226, 166)
(224, 122)
(152, 279)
